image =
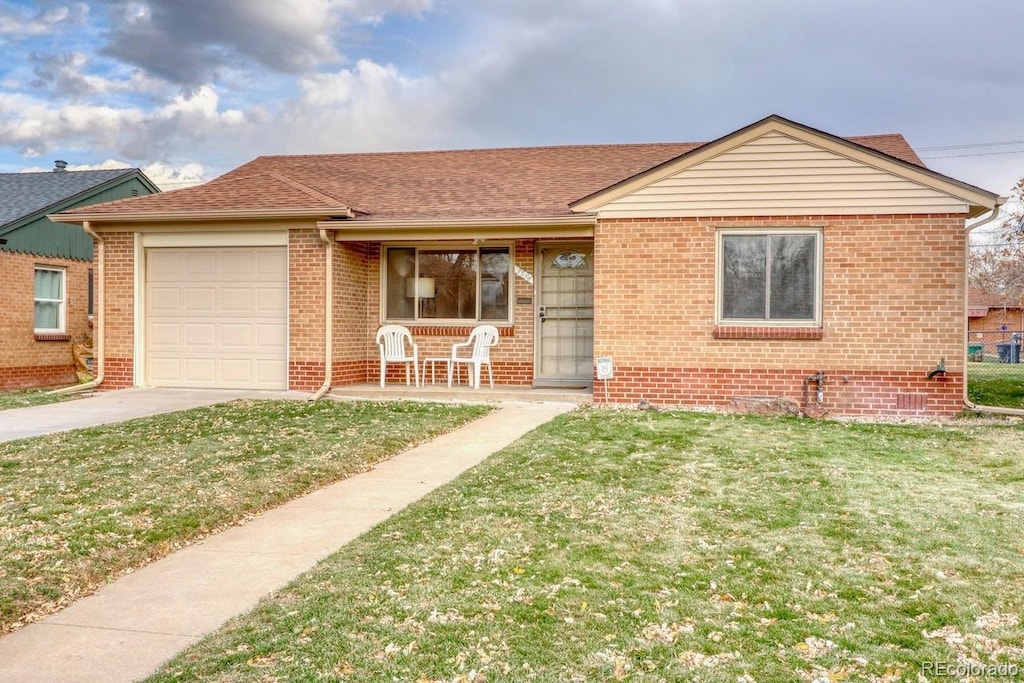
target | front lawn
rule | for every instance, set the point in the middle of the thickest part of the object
(671, 546)
(81, 507)
(23, 398)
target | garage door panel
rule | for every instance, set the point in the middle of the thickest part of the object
(271, 299)
(200, 335)
(217, 317)
(200, 369)
(201, 264)
(271, 335)
(237, 299)
(269, 262)
(236, 334)
(164, 265)
(269, 372)
(165, 334)
(239, 264)
(163, 299)
(236, 369)
(200, 300)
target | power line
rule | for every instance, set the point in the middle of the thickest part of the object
(978, 154)
(971, 145)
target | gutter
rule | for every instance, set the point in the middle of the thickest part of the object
(98, 353)
(1017, 412)
(200, 215)
(328, 317)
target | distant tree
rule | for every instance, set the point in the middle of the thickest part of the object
(998, 268)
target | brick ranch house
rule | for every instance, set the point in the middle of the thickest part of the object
(740, 267)
(46, 269)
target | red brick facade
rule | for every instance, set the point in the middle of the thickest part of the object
(883, 331)
(26, 359)
(893, 301)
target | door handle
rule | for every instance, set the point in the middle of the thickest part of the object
(542, 313)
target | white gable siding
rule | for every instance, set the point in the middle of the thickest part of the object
(777, 175)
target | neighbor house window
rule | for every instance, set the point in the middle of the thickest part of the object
(50, 299)
(769, 277)
(447, 283)
(91, 294)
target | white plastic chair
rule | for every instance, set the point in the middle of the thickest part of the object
(393, 341)
(480, 341)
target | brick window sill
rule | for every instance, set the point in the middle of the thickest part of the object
(766, 332)
(453, 330)
(52, 336)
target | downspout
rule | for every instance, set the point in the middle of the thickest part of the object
(963, 347)
(100, 318)
(328, 317)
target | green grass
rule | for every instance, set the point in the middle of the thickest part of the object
(31, 397)
(80, 507)
(669, 546)
(996, 384)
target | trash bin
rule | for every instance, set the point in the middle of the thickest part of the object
(976, 351)
(1008, 352)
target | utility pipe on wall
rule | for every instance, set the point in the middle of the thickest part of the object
(100, 318)
(328, 317)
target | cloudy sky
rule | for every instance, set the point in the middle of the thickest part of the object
(188, 89)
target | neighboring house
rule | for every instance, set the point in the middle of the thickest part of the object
(988, 312)
(995, 327)
(706, 272)
(46, 272)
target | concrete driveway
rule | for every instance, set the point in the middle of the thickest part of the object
(106, 407)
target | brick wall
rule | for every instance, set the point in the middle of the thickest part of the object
(25, 360)
(893, 301)
(119, 309)
(307, 291)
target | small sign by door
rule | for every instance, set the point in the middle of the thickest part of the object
(604, 367)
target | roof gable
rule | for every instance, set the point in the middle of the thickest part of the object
(26, 200)
(777, 167)
(27, 194)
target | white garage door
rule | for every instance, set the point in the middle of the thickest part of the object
(217, 317)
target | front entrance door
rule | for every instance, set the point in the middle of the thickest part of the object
(565, 337)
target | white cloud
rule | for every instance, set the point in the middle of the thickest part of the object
(368, 107)
(37, 127)
(169, 177)
(18, 23)
(165, 176)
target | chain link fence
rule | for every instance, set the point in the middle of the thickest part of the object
(995, 373)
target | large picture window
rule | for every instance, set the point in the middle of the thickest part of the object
(447, 283)
(769, 277)
(49, 299)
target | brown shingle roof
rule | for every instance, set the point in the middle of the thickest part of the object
(478, 183)
(979, 298)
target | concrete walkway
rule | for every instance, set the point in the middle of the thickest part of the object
(128, 628)
(106, 407)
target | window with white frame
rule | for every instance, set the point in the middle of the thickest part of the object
(769, 277)
(50, 299)
(447, 283)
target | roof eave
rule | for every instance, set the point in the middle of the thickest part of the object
(580, 225)
(120, 218)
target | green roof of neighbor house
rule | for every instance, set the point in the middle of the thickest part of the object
(26, 199)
